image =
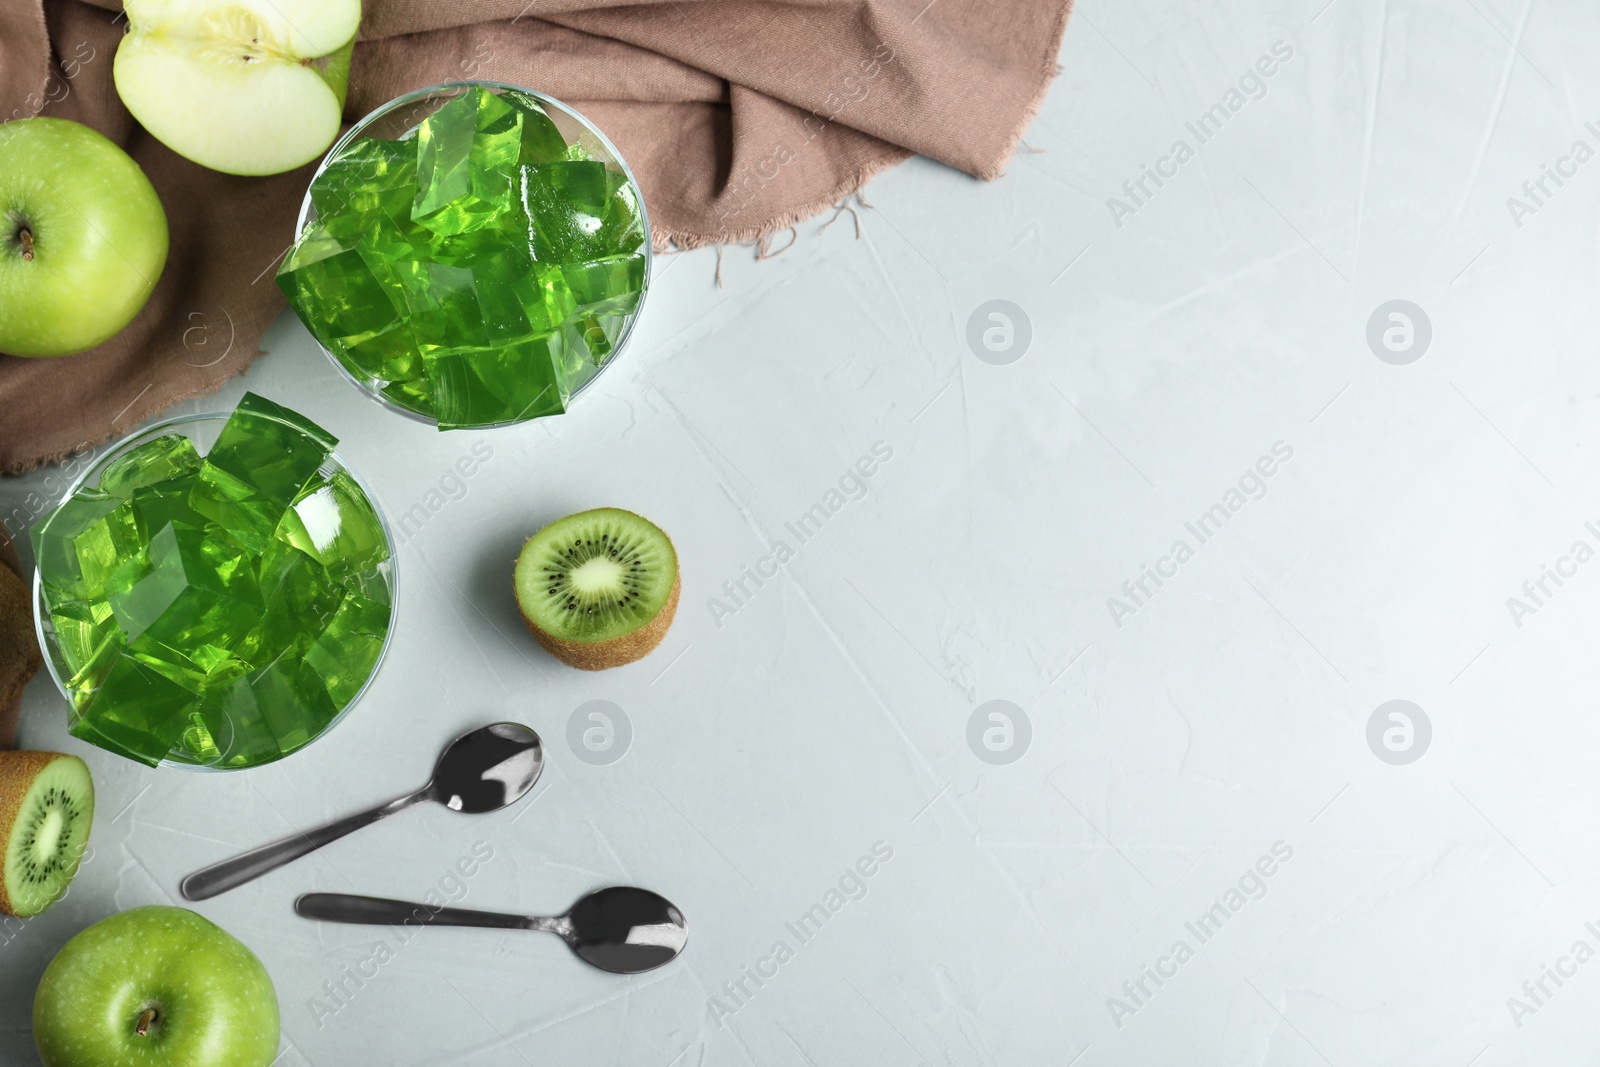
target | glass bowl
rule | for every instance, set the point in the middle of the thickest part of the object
(203, 430)
(398, 120)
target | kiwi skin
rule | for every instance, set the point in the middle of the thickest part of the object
(17, 773)
(600, 655)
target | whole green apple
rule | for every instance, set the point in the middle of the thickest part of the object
(82, 238)
(155, 986)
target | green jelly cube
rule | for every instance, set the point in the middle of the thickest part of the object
(546, 298)
(414, 395)
(300, 597)
(542, 141)
(622, 225)
(346, 652)
(610, 285)
(475, 305)
(268, 714)
(371, 181)
(559, 208)
(197, 745)
(389, 246)
(387, 243)
(116, 741)
(574, 361)
(388, 356)
(443, 301)
(331, 286)
(237, 732)
(136, 713)
(575, 211)
(200, 590)
(466, 249)
(465, 154)
(583, 186)
(293, 702)
(595, 336)
(195, 667)
(504, 290)
(263, 458)
(165, 502)
(335, 524)
(89, 640)
(87, 546)
(258, 429)
(169, 456)
(444, 156)
(482, 385)
(393, 250)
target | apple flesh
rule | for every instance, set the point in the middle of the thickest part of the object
(155, 986)
(241, 86)
(82, 237)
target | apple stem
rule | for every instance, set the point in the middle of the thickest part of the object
(26, 237)
(145, 1020)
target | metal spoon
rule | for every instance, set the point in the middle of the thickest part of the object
(621, 929)
(485, 770)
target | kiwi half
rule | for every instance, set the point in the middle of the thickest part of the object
(46, 806)
(598, 589)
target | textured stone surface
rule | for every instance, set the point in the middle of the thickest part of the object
(780, 731)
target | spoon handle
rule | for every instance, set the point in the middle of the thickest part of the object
(248, 866)
(381, 911)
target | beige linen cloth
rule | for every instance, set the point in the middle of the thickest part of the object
(19, 652)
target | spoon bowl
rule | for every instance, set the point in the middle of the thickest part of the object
(488, 769)
(626, 930)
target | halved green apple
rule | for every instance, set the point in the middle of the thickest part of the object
(240, 86)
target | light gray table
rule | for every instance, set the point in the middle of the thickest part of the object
(1195, 716)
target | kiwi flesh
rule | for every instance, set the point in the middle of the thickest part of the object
(46, 806)
(598, 589)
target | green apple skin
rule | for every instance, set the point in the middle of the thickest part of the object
(83, 238)
(213, 1003)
